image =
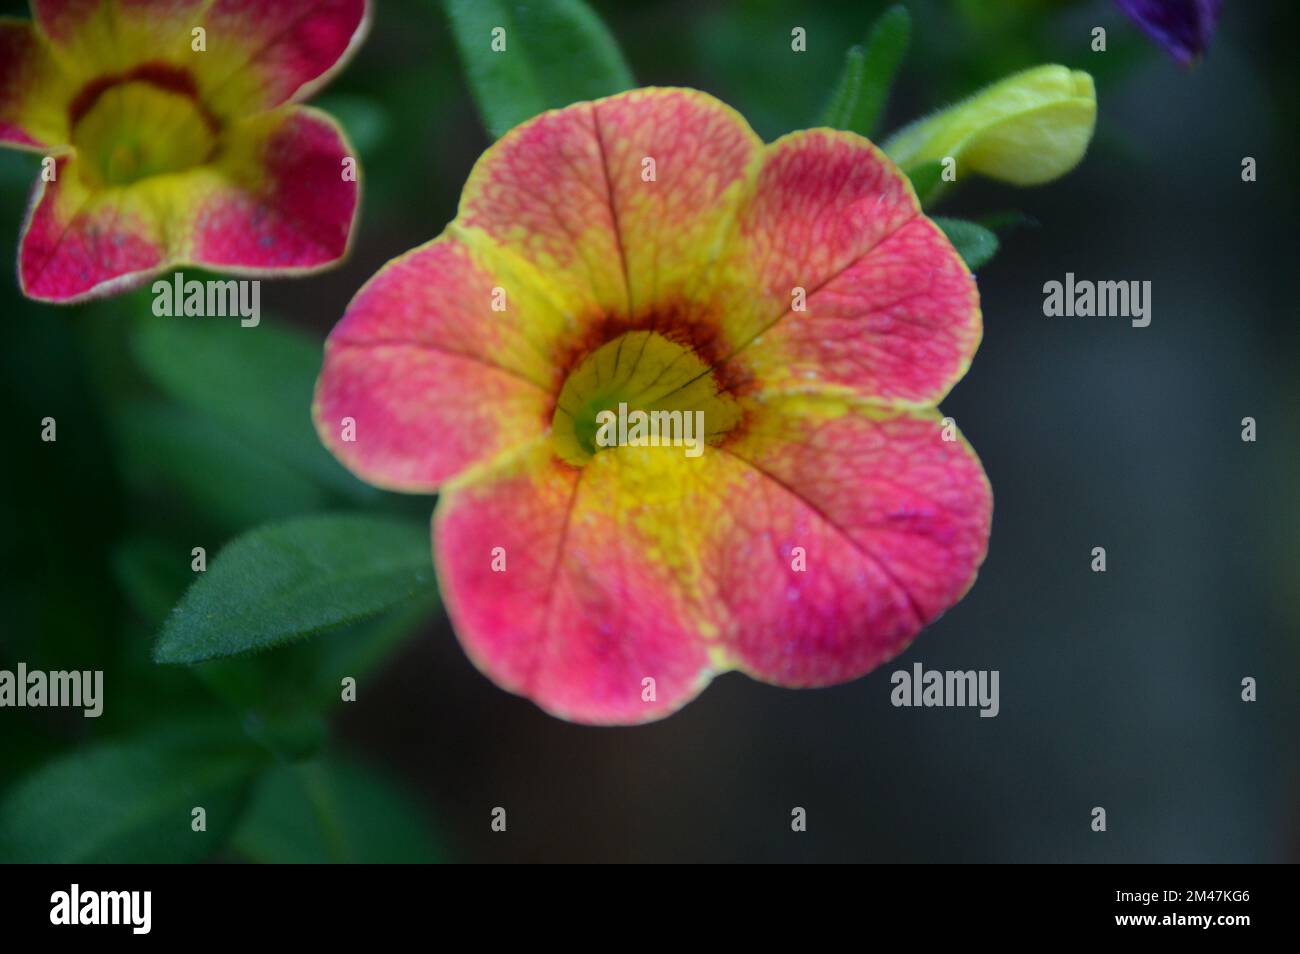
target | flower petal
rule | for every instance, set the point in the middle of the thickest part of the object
(578, 617)
(823, 200)
(407, 417)
(649, 564)
(435, 379)
(277, 199)
(836, 282)
(32, 90)
(276, 202)
(94, 38)
(80, 243)
(540, 191)
(622, 203)
(899, 326)
(271, 53)
(893, 521)
(670, 228)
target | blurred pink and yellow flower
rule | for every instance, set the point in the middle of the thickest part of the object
(649, 249)
(174, 138)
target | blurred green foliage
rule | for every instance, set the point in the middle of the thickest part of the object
(976, 244)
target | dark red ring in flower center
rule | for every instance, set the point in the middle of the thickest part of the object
(164, 76)
(142, 124)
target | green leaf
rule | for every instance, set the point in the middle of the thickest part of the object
(167, 451)
(556, 52)
(976, 244)
(130, 801)
(847, 93)
(257, 381)
(927, 181)
(869, 71)
(280, 696)
(332, 811)
(288, 580)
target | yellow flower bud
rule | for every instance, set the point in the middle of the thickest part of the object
(1026, 129)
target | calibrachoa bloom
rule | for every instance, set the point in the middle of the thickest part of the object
(648, 250)
(173, 138)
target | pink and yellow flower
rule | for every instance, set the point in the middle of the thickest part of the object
(173, 137)
(648, 249)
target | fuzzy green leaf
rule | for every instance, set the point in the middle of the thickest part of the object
(927, 181)
(863, 88)
(284, 581)
(976, 244)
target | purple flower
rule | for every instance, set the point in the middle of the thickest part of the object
(1183, 27)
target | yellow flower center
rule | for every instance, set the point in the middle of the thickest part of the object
(641, 389)
(136, 129)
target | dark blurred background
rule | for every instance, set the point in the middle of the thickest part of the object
(1119, 689)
